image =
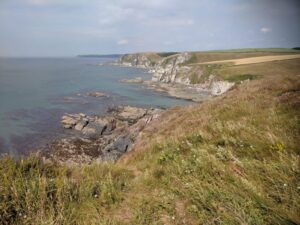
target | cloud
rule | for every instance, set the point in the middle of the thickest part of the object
(265, 30)
(112, 14)
(135, 25)
(41, 2)
(54, 2)
(123, 42)
(169, 22)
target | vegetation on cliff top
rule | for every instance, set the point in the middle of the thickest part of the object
(204, 64)
(231, 160)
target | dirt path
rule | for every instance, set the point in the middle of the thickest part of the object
(252, 60)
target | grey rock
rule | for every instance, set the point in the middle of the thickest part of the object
(220, 87)
(108, 123)
(131, 114)
(93, 130)
(136, 80)
(97, 94)
(169, 69)
(136, 60)
(121, 144)
(69, 121)
(101, 138)
(81, 124)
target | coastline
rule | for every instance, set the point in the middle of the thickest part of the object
(110, 136)
(99, 138)
(107, 137)
(172, 77)
(26, 125)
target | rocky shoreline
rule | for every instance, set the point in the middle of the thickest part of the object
(106, 138)
(99, 138)
(193, 92)
(170, 75)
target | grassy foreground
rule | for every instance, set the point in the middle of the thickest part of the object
(231, 160)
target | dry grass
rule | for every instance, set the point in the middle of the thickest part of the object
(252, 60)
(232, 160)
(201, 57)
(247, 99)
(286, 67)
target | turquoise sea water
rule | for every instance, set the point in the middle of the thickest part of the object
(36, 92)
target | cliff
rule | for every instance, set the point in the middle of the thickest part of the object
(175, 69)
(167, 69)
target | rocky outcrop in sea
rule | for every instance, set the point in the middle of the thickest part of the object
(108, 137)
(100, 138)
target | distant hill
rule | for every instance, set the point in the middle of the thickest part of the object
(101, 56)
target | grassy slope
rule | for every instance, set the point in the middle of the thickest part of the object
(201, 57)
(284, 50)
(231, 160)
(254, 60)
(237, 73)
(198, 58)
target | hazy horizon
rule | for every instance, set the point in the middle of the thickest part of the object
(65, 28)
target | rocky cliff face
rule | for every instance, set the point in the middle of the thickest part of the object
(166, 69)
(169, 69)
(172, 71)
(137, 60)
(220, 87)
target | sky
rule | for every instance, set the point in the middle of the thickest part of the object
(71, 27)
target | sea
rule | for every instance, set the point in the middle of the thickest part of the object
(36, 92)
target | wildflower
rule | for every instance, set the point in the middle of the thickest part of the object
(96, 196)
(284, 185)
(173, 217)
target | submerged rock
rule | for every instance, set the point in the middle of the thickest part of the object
(136, 80)
(97, 94)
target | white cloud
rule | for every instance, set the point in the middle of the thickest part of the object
(265, 30)
(123, 42)
(112, 14)
(170, 22)
(54, 2)
(150, 4)
(41, 2)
